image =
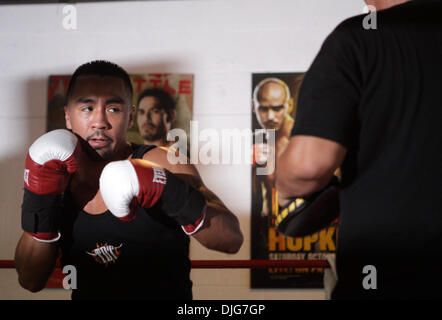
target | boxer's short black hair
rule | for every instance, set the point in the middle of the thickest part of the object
(165, 99)
(100, 68)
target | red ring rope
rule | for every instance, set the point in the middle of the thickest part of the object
(224, 264)
(233, 264)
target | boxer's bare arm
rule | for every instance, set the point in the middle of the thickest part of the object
(306, 166)
(220, 230)
(34, 262)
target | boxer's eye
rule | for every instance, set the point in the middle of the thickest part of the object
(86, 109)
(114, 109)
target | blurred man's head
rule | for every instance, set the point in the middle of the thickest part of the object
(384, 4)
(155, 113)
(99, 106)
(271, 101)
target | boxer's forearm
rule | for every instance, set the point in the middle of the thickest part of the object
(34, 262)
(220, 230)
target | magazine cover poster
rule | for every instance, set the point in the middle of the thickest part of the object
(274, 102)
(163, 101)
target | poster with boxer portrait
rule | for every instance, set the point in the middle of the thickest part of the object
(274, 102)
(163, 101)
(165, 93)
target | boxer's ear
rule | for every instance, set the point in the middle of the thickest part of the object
(67, 117)
(131, 116)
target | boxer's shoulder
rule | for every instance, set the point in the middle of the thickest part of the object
(159, 157)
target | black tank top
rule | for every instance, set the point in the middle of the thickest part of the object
(147, 258)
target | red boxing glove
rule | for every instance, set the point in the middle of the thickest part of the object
(126, 184)
(51, 160)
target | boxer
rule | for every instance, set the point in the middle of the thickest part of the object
(120, 213)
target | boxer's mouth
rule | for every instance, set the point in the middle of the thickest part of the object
(99, 142)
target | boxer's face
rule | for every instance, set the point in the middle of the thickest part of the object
(151, 118)
(99, 110)
(272, 105)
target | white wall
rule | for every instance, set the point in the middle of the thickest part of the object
(220, 42)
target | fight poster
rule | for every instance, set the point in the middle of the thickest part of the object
(163, 101)
(274, 102)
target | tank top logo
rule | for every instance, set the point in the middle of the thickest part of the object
(105, 254)
(159, 176)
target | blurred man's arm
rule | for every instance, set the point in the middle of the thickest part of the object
(306, 166)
